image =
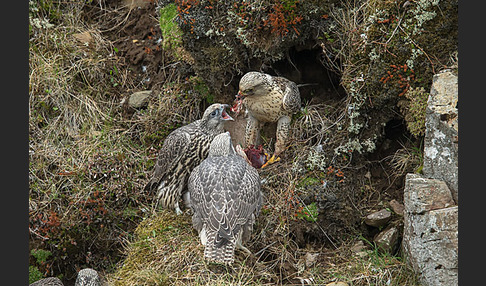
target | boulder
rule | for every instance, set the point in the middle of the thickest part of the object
(441, 131)
(379, 218)
(430, 236)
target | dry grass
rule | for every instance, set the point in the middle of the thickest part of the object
(87, 160)
(166, 251)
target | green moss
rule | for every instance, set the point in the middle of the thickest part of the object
(160, 248)
(40, 255)
(309, 181)
(309, 213)
(157, 136)
(34, 274)
(415, 111)
(201, 87)
(172, 35)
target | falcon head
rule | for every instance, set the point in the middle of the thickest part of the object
(215, 115)
(252, 84)
(221, 145)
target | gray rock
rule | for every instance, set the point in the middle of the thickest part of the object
(387, 240)
(49, 281)
(139, 99)
(422, 194)
(441, 133)
(379, 218)
(430, 231)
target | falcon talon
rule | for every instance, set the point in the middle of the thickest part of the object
(270, 161)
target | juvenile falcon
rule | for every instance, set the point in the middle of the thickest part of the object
(183, 149)
(267, 99)
(226, 199)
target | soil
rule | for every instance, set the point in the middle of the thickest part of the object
(370, 185)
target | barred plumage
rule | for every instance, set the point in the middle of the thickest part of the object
(183, 149)
(268, 99)
(226, 199)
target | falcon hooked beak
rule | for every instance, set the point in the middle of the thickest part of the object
(224, 115)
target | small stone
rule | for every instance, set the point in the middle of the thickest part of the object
(397, 207)
(139, 99)
(379, 218)
(337, 284)
(387, 240)
(84, 38)
(310, 259)
(358, 246)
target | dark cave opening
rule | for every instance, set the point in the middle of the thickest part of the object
(394, 129)
(306, 67)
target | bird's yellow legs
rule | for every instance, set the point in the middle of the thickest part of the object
(283, 127)
(272, 160)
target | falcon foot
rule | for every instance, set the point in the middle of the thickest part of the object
(242, 248)
(272, 160)
(178, 210)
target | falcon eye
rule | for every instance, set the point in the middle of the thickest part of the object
(214, 113)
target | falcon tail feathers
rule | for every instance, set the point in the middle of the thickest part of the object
(224, 254)
(220, 241)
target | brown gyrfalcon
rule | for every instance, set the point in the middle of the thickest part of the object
(267, 99)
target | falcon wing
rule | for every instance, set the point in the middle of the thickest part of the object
(250, 199)
(225, 192)
(291, 98)
(175, 145)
